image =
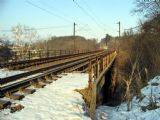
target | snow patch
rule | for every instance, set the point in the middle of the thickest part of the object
(57, 101)
(6, 73)
(136, 113)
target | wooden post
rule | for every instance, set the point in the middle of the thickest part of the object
(29, 54)
(39, 53)
(97, 68)
(47, 53)
(60, 52)
(15, 56)
(54, 52)
(90, 74)
(94, 93)
(102, 64)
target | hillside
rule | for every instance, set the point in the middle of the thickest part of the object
(67, 42)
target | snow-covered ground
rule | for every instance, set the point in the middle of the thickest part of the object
(59, 101)
(6, 73)
(136, 113)
(56, 101)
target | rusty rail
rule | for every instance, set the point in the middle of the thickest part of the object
(69, 66)
(38, 54)
(34, 62)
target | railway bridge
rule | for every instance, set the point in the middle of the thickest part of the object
(99, 64)
(101, 82)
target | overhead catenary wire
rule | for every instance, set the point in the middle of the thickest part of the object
(47, 11)
(82, 28)
(132, 28)
(51, 12)
(93, 13)
(135, 29)
(40, 28)
(64, 15)
(96, 17)
(90, 16)
(55, 9)
(60, 12)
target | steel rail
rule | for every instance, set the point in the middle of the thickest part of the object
(26, 74)
(25, 83)
(29, 63)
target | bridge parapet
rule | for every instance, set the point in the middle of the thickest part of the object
(97, 72)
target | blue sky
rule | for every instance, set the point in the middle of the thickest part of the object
(97, 18)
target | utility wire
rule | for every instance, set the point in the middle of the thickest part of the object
(60, 12)
(47, 11)
(93, 13)
(82, 28)
(132, 28)
(91, 17)
(40, 28)
(55, 9)
(64, 15)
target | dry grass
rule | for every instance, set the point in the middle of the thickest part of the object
(86, 93)
(145, 48)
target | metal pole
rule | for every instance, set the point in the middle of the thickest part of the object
(74, 27)
(119, 23)
(117, 60)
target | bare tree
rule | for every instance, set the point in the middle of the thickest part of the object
(148, 7)
(128, 83)
(30, 34)
(24, 37)
(18, 34)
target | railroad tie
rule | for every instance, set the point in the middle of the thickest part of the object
(57, 76)
(54, 78)
(64, 74)
(16, 107)
(42, 83)
(14, 96)
(48, 77)
(42, 79)
(4, 104)
(48, 81)
(38, 84)
(27, 91)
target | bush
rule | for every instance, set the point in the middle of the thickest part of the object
(142, 48)
(5, 54)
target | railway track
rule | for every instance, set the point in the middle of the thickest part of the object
(12, 84)
(34, 62)
(43, 69)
